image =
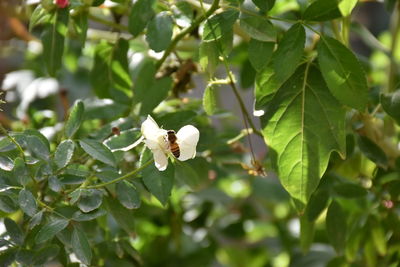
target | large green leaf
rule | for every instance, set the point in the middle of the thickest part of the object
(219, 25)
(391, 104)
(258, 27)
(14, 231)
(123, 216)
(128, 195)
(290, 51)
(159, 31)
(75, 119)
(98, 151)
(64, 153)
(50, 230)
(336, 226)
(149, 92)
(260, 53)
(302, 125)
(140, 15)
(81, 246)
(343, 73)
(53, 37)
(27, 202)
(110, 76)
(322, 10)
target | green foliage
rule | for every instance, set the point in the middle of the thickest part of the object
(78, 186)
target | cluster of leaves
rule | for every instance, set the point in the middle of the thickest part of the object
(87, 192)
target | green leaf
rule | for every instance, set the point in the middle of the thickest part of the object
(379, 237)
(123, 216)
(80, 25)
(159, 31)
(49, 230)
(14, 231)
(209, 56)
(219, 25)
(110, 77)
(38, 148)
(53, 40)
(45, 255)
(210, 99)
(7, 205)
(27, 202)
(186, 174)
(343, 73)
(81, 217)
(81, 246)
(260, 53)
(75, 119)
(39, 16)
(264, 5)
(336, 226)
(258, 27)
(128, 195)
(391, 104)
(21, 171)
(36, 219)
(149, 92)
(141, 14)
(98, 151)
(349, 190)
(346, 6)
(124, 141)
(316, 122)
(372, 151)
(90, 199)
(290, 50)
(64, 153)
(159, 183)
(6, 163)
(322, 10)
(317, 204)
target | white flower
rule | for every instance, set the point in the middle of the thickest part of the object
(156, 139)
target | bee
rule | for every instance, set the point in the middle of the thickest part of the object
(173, 145)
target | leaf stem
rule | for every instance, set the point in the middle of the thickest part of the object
(189, 29)
(123, 177)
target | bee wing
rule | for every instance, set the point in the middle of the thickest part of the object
(187, 138)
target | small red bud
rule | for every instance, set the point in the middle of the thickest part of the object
(62, 3)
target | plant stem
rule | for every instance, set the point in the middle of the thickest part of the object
(123, 177)
(5, 132)
(392, 67)
(335, 29)
(189, 29)
(108, 23)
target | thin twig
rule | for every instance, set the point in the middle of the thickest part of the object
(108, 23)
(123, 177)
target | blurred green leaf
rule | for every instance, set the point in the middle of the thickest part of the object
(346, 6)
(80, 25)
(39, 16)
(260, 53)
(186, 174)
(209, 56)
(98, 151)
(322, 10)
(318, 202)
(90, 199)
(75, 119)
(7, 205)
(123, 216)
(110, 75)
(128, 195)
(301, 155)
(6, 163)
(391, 104)
(64, 153)
(49, 230)
(343, 73)
(307, 229)
(81, 246)
(14, 231)
(372, 151)
(53, 40)
(210, 99)
(27, 202)
(45, 254)
(378, 237)
(36, 219)
(219, 25)
(141, 14)
(159, 31)
(349, 190)
(258, 27)
(290, 50)
(336, 226)
(264, 5)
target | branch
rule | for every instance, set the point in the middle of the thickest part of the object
(123, 177)
(189, 29)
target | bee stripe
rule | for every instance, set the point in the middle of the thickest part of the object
(175, 151)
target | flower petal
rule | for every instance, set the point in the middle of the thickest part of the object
(160, 159)
(150, 128)
(187, 138)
